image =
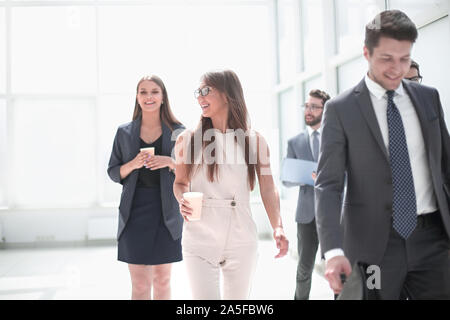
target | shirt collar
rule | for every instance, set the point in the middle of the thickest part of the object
(311, 130)
(378, 91)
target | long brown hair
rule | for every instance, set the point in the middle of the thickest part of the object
(227, 82)
(166, 114)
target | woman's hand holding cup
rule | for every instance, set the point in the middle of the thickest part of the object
(186, 209)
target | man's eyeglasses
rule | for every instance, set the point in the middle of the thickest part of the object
(202, 92)
(416, 79)
(311, 107)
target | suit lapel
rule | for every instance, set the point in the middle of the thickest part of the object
(135, 135)
(365, 105)
(307, 146)
(423, 111)
(166, 136)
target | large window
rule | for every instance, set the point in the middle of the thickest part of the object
(53, 153)
(314, 83)
(74, 71)
(2, 52)
(351, 72)
(434, 64)
(422, 11)
(291, 119)
(351, 19)
(3, 153)
(313, 47)
(288, 39)
(55, 52)
(291, 124)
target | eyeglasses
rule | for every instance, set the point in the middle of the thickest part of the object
(202, 92)
(311, 107)
(415, 79)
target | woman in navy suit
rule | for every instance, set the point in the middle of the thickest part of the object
(150, 224)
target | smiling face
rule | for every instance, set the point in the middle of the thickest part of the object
(149, 96)
(214, 104)
(389, 62)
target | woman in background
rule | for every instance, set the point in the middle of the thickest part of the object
(150, 225)
(225, 238)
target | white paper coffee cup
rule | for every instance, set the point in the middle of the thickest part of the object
(195, 199)
(149, 150)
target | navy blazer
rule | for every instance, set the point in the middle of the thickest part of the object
(125, 148)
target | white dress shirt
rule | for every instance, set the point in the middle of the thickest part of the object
(423, 185)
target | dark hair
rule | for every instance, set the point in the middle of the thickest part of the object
(391, 24)
(166, 114)
(415, 65)
(319, 94)
(226, 82)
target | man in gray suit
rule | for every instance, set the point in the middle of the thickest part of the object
(306, 146)
(389, 136)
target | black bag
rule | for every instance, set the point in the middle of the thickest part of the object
(355, 286)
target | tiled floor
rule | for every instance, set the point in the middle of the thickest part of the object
(94, 273)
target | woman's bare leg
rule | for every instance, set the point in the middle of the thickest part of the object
(161, 281)
(141, 281)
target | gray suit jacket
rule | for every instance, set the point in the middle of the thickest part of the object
(352, 143)
(125, 148)
(300, 148)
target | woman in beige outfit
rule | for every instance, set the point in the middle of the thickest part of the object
(221, 159)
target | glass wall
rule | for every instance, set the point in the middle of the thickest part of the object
(312, 27)
(288, 42)
(291, 124)
(3, 153)
(74, 71)
(435, 64)
(290, 113)
(55, 53)
(53, 153)
(422, 12)
(351, 19)
(314, 83)
(2, 52)
(350, 73)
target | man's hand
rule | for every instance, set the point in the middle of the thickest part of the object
(334, 268)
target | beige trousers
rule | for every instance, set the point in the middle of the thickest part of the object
(237, 267)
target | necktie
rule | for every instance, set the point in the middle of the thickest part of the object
(315, 145)
(404, 196)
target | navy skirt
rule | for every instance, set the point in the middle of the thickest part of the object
(146, 239)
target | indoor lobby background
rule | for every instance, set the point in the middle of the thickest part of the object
(68, 76)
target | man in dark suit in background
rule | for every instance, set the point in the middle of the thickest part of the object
(390, 138)
(414, 72)
(306, 146)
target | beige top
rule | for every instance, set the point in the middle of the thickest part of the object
(226, 221)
